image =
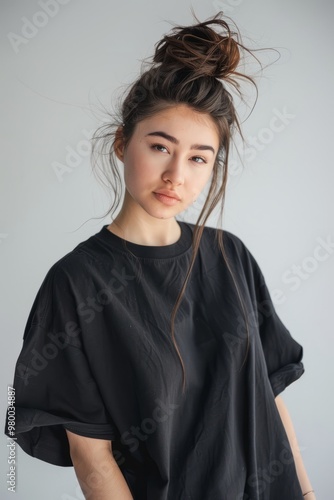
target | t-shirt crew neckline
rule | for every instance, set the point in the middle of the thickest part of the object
(180, 247)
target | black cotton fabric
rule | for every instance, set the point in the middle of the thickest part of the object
(98, 359)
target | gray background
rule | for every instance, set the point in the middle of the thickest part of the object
(279, 203)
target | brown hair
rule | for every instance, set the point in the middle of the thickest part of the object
(191, 65)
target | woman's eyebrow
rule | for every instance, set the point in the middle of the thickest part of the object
(172, 139)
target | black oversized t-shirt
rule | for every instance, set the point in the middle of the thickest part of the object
(98, 359)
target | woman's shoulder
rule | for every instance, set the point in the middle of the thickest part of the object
(86, 257)
(229, 239)
(236, 249)
(67, 278)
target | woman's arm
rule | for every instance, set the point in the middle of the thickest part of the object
(96, 469)
(301, 471)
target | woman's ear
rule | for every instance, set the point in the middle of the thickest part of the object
(119, 143)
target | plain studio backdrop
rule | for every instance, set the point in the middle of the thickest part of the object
(62, 61)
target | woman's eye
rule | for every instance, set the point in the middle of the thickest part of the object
(158, 147)
(196, 158)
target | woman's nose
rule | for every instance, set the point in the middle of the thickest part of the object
(174, 171)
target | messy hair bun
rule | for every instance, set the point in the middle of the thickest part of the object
(202, 49)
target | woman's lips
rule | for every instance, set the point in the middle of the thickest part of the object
(167, 200)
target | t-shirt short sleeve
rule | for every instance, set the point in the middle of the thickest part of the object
(54, 385)
(283, 354)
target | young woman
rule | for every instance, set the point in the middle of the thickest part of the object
(153, 357)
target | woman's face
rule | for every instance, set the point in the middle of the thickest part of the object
(173, 150)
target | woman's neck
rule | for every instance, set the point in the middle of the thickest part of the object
(134, 224)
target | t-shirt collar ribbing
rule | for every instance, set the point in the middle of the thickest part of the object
(183, 245)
